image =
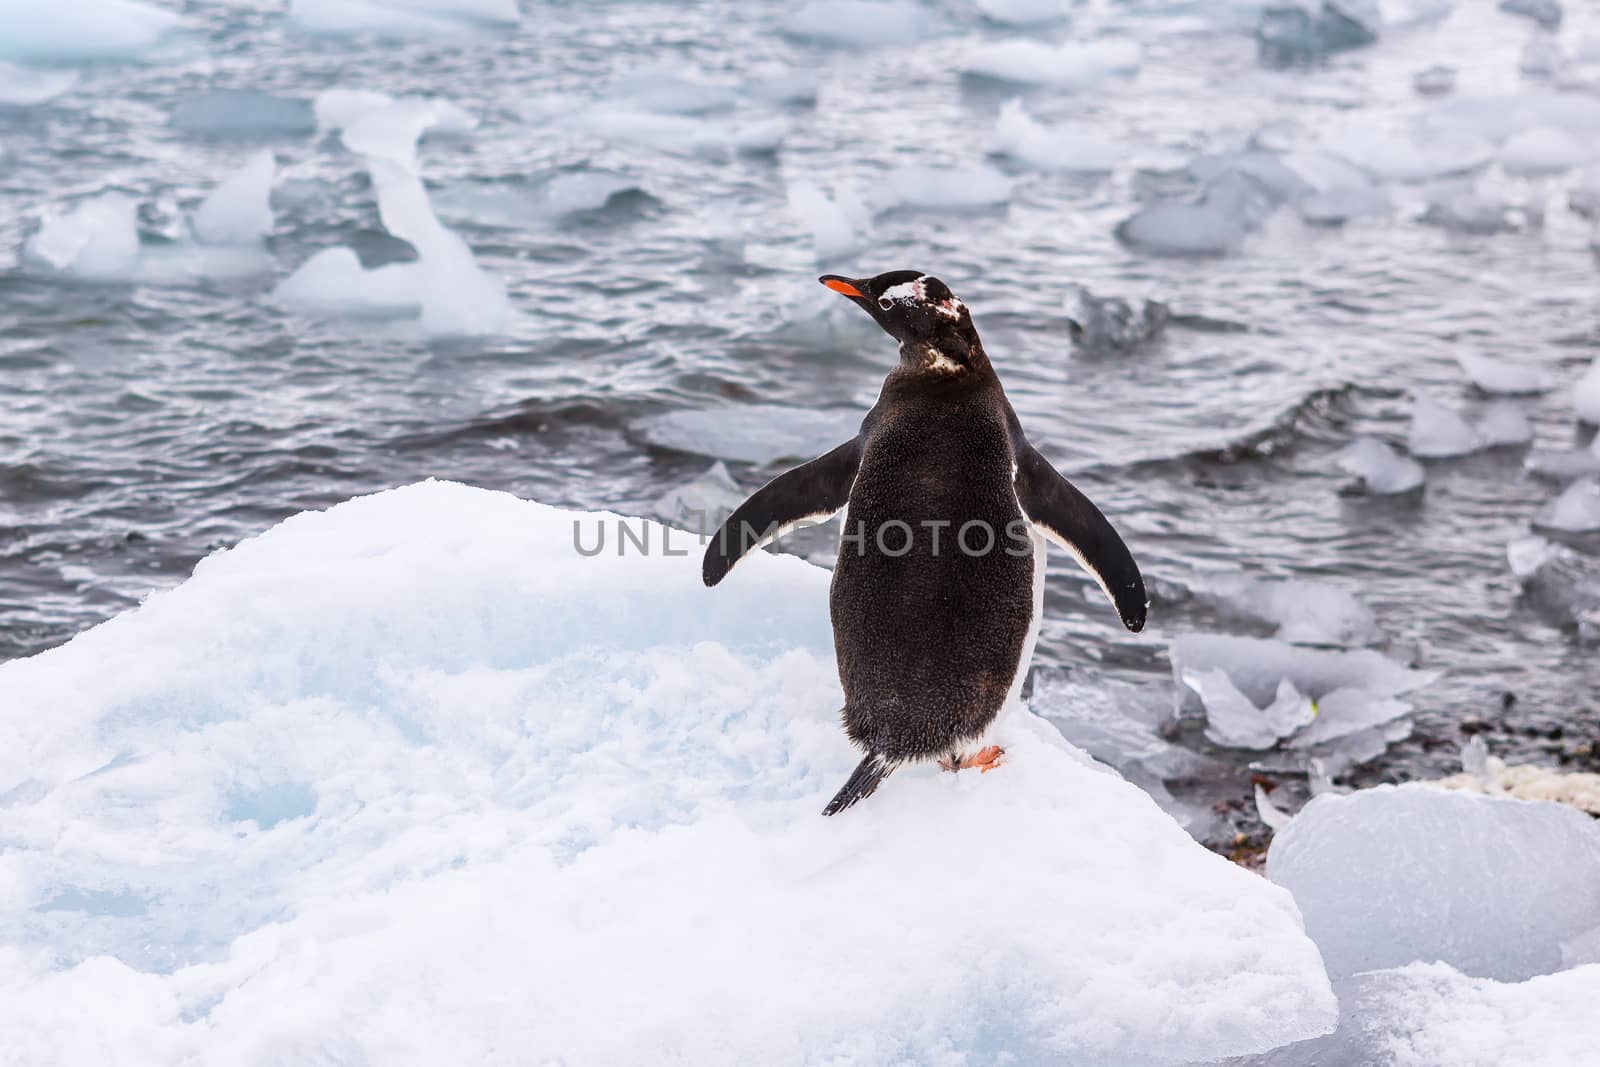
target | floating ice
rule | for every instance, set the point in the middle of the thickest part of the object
(1073, 65)
(1503, 377)
(1434, 81)
(701, 505)
(1412, 155)
(27, 87)
(946, 188)
(333, 283)
(518, 204)
(1026, 12)
(1541, 56)
(1305, 612)
(412, 774)
(750, 433)
(1257, 665)
(238, 212)
(681, 134)
(1103, 325)
(1565, 465)
(1576, 510)
(82, 29)
(1437, 432)
(96, 241)
(1234, 720)
(1542, 151)
(838, 223)
(1560, 584)
(1300, 29)
(1333, 190)
(1020, 136)
(381, 127)
(1546, 13)
(401, 18)
(1464, 209)
(1584, 198)
(1488, 885)
(1215, 222)
(1379, 469)
(861, 23)
(236, 113)
(671, 91)
(1503, 424)
(1586, 394)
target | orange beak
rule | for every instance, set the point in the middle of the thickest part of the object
(839, 285)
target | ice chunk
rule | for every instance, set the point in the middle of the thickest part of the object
(1335, 190)
(1256, 666)
(701, 505)
(1488, 885)
(1348, 711)
(1542, 151)
(1434, 81)
(838, 223)
(1546, 13)
(1503, 377)
(333, 283)
(237, 212)
(1103, 325)
(1576, 510)
(1305, 612)
(82, 29)
(237, 114)
(1560, 584)
(749, 433)
(1564, 466)
(1379, 469)
(1542, 56)
(1020, 136)
(1227, 210)
(1293, 32)
(390, 132)
(28, 87)
(1234, 721)
(861, 23)
(1437, 432)
(1479, 211)
(497, 764)
(680, 134)
(1025, 12)
(1072, 65)
(671, 91)
(1586, 395)
(1503, 424)
(946, 188)
(1415, 154)
(1584, 198)
(401, 18)
(97, 241)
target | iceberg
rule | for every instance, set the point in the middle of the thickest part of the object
(238, 212)
(1215, 222)
(1559, 583)
(861, 23)
(1490, 886)
(83, 29)
(1504, 425)
(414, 778)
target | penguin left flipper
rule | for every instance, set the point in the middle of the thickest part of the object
(1064, 515)
(812, 492)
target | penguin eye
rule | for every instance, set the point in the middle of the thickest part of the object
(885, 303)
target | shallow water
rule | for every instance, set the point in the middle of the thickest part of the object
(143, 426)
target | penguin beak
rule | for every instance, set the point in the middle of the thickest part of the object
(843, 286)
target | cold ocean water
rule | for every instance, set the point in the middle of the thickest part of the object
(602, 294)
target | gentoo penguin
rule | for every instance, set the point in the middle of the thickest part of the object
(938, 588)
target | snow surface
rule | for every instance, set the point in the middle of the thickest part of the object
(82, 29)
(412, 780)
(1489, 885)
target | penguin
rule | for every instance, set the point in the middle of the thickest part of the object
(939, 586)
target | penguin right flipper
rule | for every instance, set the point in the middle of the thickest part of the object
(1060, 511)
(812, 492)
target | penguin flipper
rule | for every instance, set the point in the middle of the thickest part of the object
(1064, 515)
(812, 492)
(868, 775)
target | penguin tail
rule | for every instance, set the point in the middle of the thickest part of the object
(869, 774)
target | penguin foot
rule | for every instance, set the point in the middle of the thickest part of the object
(985, 759)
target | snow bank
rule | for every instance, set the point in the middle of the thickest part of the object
(411, 779)
(82, 29)
(1391, 876)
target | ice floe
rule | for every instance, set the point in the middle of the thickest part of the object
(1072, 65)
(1488, 885)
(1408, 155)
(1213, 222)
(1503, 424)
(401, 18)
(838, 222)
(1028, 141)
(379, 126)
(750, 433)
(1437, 432)
(862, 23)
(97, 240)
(83, 29)
(700, 505)
(1542, 151)
(1379, 469)
(1102, 325)
(1504, 377)
(1303, 610)
(22, 86)
(414, 777)
(945, 188)
(238, 211)
(1576, 510)
(1474, 209)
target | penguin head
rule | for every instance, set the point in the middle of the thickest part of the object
(933, 327)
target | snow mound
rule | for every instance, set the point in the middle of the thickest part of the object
(749, 433)
(82, 29)
(237, 212)
(1073, 65)
(414, 779)
(1379, 469)
(1489, 885)
(1504, 378)
(401, 18)
(1018, 135)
